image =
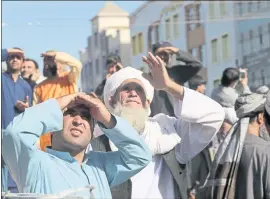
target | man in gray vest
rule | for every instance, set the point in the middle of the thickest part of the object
(128, 94)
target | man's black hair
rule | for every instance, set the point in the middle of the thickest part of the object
(229, 76)
(161, 45)
(196, 81)
(36, 64)
(113, 58)
(267, 118)
(17, 48)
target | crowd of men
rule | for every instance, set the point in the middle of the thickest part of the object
(139, 135)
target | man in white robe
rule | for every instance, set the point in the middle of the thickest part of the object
(128, 93)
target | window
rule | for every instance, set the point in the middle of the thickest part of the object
(157, 34)
(211, 9)
(134, 45)
(225, 47)
(249, 6)
(201, 16)
(258, 5)
(167, 31)
(240, 5)
(193, 51)
(150, 35)
(260, 36)
(202, 54)
(140, 43)
(242, 42)
(97, 66)
(176, 26)
(222, 7)
(251, 40)
(214, 49)
(191, 17)
(96, 39)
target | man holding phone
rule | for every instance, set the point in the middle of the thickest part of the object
(113, 64)
(58, 83)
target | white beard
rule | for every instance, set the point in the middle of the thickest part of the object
(136, 117)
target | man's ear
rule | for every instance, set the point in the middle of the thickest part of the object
(112, 101)
(147, 104)
(260, 118)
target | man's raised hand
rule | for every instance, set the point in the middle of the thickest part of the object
(14, 51)
(158, 75)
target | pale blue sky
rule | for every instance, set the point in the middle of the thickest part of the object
(61, 25)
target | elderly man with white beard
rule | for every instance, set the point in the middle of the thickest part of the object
(128, 93)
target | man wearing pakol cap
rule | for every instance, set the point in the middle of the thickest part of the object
(128, 94)
(186, 68)
(241, 166)
(262, 90)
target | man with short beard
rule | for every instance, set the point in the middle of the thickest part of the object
(128, 93)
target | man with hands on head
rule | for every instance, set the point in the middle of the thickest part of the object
(65, 165)
(59, 82)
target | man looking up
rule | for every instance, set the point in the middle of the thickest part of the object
(58, 82)
(128, 94)
(65, 166)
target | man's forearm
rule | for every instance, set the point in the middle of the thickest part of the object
(68, 60)
(175, 90)
(74, 64)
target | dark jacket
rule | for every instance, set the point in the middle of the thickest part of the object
(180, 74)
(124, 190)
(100, 88)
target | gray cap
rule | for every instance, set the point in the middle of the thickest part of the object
(249, 103)
(262, 90)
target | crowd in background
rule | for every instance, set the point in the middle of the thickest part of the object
(201, 147)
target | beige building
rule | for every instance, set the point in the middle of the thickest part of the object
(110, 34)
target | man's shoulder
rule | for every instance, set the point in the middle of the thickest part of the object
(257, 145)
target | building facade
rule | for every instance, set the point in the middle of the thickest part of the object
(237, 35)
(220, 34)
(145, 30)
(178, 22)
(253, 41)
(110, 34)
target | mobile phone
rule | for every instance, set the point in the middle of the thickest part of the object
(242, 74)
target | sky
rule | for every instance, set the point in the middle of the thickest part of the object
(43, 25)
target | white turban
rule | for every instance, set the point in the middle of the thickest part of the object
(115, 80)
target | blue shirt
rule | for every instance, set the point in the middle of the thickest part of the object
(11, 92)
(52, 171)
